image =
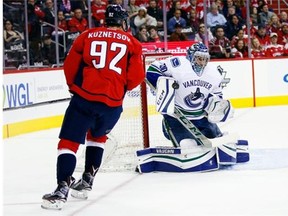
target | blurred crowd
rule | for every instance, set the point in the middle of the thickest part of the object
(225, 32)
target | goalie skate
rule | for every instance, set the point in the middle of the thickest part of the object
(81, 188)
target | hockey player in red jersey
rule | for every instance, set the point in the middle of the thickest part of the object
(101, 66)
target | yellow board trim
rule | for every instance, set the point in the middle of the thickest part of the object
(272, 101)
(33, 125)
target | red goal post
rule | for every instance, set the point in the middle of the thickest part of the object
(148, 58)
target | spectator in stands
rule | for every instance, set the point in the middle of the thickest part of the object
(265, 15)
(274, 49)
(254, 16)
(230, 4)
(254, 3)
(231, 12)
(154, 11)
(37, 10)
(283, 35)
(220, 5)
(48, 51)
(253, 29)
(240, 36)
(12, 36)
(142, 18)
(142, 35)
(153, 35)
(98, 13)
(120, 2)
(80, 4)
(241, 5)
(49, 12)
(65, 6)
(233, 26)
(35, 53)
(193, 21)
(177, 35)
(168, 5)
(176, 5)
(132, 8)
(78, 23)
(62, 30)
(143, 3)
(283, 17)
(176, 19)
(62, 22)
(262, 36)
(261, 3)
(219, 46)
(197, 7)
(34, 25)
(240, 48)
(214, 18)
(273, 25)
(201, 34)
(257, 50)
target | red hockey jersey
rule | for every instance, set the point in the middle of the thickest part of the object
(102, 64)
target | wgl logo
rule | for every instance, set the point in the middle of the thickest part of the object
(17, 95)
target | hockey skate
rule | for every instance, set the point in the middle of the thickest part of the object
(81, 188)
(56, 199)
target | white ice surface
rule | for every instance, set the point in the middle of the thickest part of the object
(259, 187)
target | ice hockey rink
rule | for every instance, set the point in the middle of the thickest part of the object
(259, 187)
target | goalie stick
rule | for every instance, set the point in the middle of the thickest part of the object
(195, 132)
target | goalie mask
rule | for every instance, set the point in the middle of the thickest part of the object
(115, 15)
(199, 56)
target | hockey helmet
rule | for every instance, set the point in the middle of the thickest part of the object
(115, 15)
(199, 56)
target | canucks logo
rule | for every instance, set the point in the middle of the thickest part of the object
(194, 99)
(163, 67)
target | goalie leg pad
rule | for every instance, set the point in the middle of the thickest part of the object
(227, 154)
(242, 151)
(177, 160)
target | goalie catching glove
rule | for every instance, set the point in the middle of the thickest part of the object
(218, 110)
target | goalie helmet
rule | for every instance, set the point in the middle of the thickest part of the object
(199, 56)
(115, 15)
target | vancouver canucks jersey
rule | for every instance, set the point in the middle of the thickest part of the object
(193, 90)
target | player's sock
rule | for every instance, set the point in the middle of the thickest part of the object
(93, 158)
(92, 163)
(66, 163)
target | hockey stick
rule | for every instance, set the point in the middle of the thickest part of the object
(195, 132)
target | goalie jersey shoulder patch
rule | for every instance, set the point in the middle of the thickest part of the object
(175, 62)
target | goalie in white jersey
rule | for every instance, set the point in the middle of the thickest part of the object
(197, 94)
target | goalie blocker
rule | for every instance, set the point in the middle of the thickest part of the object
(199, 159)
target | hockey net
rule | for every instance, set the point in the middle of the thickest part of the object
(139, 127)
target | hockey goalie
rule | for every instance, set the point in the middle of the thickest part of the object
(189, 97)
